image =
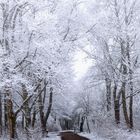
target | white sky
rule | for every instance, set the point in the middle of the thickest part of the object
(81, 64)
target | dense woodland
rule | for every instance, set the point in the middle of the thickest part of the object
(39, 91)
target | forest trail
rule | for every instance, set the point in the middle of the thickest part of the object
(54, 136)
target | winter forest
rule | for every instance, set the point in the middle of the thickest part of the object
(69, 66)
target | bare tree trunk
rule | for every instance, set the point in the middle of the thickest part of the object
(26, 108)
(11, 120)
(131, 111)
(117, 97)
(27, 112)
(108, 93)
(116, 104)
(88, 125)
(1, 114)
(50, 105)
(23, 119)
(125, 106)
(34, 117)
(108, 73)
(82, 123)
(124, 53)
(131, 99)
(43, 126)
(41, 112)
(5, 112)
(44, 117)
(130, 84)
(117, 111)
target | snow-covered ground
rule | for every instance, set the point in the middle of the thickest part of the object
(116, 135)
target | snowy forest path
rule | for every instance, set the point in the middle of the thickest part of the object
(91, 136)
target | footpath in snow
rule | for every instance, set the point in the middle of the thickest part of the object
(114, 135)
(53, 136)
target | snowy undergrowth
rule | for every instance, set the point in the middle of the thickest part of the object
(124, 135)
(114, 134)
(93, 136)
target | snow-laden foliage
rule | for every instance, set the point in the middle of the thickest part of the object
(39, 88)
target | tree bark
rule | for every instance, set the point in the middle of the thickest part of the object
(50, 105)
(41, 112)
(1, 114)
(88, 127)
(34, 117)
(130, 85)
(116, 104)
(27, 115)
(44, 117)
(108, 93)
(5, 113)
(131, 111)
(124, 104)
(11, 120)
(82, 123)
